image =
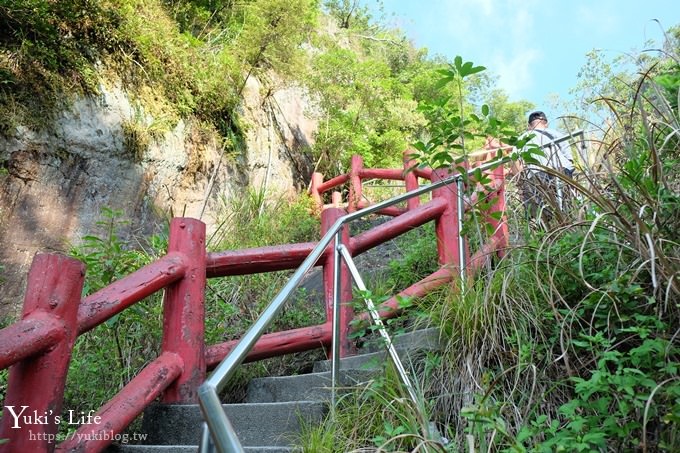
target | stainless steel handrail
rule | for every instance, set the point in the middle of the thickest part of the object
(223, 434)
(566, 137)
(375, 316)
(582, 151)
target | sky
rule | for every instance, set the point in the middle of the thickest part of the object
(535, 48)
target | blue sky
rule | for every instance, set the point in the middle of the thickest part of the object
(534, 47)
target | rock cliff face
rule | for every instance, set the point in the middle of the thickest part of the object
(55, 183)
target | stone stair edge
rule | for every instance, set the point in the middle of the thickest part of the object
(413, 342)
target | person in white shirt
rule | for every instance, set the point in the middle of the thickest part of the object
(557, 155)
(540, 189)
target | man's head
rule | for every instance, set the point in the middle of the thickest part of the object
(537, 119)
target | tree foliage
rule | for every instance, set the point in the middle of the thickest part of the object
(194, 56)
(367, 111)
(183, 58)
(271, 36)
(348, 13)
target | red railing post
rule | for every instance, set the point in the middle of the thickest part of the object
(355, 190)
(336, 199)
(446, 226)
(317, 180)
(501, 233)
(184, 311)
(35, 389)
(410, 179)
(328, 218)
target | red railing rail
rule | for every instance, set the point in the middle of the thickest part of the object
(38, 347)
(35, 386)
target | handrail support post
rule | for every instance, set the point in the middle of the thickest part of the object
(36, 384)
(184, 311)
(337, 297)
(342, 291)
(375, 316)
(450, 244)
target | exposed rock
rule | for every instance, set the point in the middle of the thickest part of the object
(279, 135)
(57, 181)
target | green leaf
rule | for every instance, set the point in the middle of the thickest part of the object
(442, 82)
(578, 424)
(596, 438)
(468, 69)
(420, 146)
(89, 238)
(497, 215)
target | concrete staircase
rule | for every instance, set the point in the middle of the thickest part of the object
(276, 408)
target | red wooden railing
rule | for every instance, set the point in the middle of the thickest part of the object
(38, 347)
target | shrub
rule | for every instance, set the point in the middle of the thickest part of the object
(602, 370)
(109, 356)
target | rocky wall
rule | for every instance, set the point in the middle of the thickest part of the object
(54, 184)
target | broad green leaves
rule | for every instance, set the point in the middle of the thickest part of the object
(455, 127)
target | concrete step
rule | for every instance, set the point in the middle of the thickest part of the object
(305, 387)
(276, 407)
(428, 339)
(410, 347)
(257, 425)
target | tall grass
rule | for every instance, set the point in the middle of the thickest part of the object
(376, 416)
(571, 341)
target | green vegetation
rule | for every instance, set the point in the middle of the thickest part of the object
(377, 417)
(109, 356)
(370, 88)
(570, 342)
(192, 59)
(178, 58)
(48, 49)
(249, 222)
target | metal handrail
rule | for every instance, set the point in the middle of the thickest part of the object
(216, 421)
(583, 149)
(567, 137)
(375, 316)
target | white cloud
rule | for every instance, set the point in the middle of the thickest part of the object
(498, 34)
(598, 17)
(516, 71)
(521, 52)
(535, 47)
(487, 6)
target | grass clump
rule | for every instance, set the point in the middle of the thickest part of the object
(376, 416)
(571, 341)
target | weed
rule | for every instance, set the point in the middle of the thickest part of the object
(109, 356)
(570, 342)
(375, 416)
(605, 361)
(418, 260)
